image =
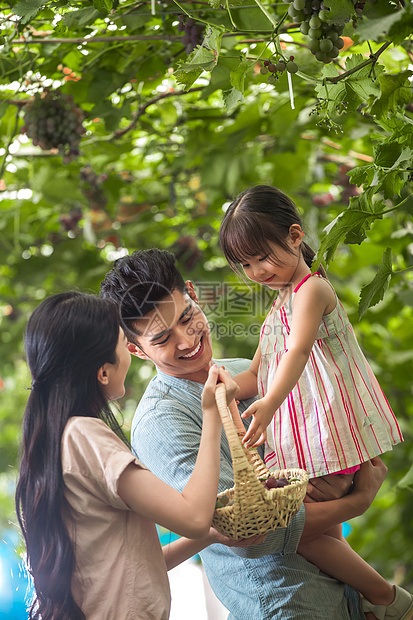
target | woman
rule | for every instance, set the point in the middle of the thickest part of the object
(87, 507)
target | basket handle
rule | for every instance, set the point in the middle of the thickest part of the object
(234, 426)
(235, 445)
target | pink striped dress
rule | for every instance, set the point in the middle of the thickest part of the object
(336, 416)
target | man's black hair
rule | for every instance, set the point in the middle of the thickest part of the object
(137, 283)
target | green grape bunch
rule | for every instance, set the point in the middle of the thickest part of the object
(325, 40)
(53, 121)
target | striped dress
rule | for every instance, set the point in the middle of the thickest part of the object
(336, 416)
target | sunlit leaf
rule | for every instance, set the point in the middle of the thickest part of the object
(374, 292)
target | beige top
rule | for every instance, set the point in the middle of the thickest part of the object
(120, 572)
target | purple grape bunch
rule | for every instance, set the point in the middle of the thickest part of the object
(192, 33)
(274, 69)
(53, 121)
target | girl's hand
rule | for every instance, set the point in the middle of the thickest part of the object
(263, 413)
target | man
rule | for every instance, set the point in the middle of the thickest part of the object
(163, 323)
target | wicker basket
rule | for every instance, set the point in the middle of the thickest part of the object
(255, 509)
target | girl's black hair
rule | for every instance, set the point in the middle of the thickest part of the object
(258, 217)
(68, 338)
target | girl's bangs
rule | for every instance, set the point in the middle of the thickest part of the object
(243, 239)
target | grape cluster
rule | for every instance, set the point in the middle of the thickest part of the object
(274, 69)
(91, 187)
(69, 221)
(53, 121)
(192, 33)
(325, 41)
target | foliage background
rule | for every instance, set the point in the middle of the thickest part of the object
(169, 139)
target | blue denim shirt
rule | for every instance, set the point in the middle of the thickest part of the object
(260, 582)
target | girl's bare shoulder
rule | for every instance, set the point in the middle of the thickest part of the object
(318, 288)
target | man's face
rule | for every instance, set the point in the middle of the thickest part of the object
(175, 336)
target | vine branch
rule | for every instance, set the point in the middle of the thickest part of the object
(372, 60)
(121, 132)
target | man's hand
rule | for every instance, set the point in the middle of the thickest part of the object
(325, 488)
(369, 478)
(263, 413)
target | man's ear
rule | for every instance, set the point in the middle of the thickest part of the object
(135, 350)
(103, 376)
(191, 291)
(296, 234)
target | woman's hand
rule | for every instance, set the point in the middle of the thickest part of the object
(215, 537)
(215, 376)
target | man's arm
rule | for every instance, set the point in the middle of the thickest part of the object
(321, 516)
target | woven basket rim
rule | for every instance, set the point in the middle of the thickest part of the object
(269, 508)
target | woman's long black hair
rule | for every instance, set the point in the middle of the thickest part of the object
(68, 338)
(258, 217)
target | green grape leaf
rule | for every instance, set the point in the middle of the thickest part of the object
(386, 154)
(81, 18)
(391, 180)
(403, 28)
(366, 212)
(352, 225)
(407, 481)
(3, 107)
(332, 93)
(232, 97)
(27, 9)
(361, 174)
(203, 58)
(341, 11)
(375, 29)
(187, 78)
(373, 292)
(395, 91)
(237, 76)
(103, 6)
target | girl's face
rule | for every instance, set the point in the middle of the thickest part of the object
(114, 374)
(279, 268)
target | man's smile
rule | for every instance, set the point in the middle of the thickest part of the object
(196, 352)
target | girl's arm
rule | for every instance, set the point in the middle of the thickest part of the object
(247, 380)
(311, 302)
(188, 513)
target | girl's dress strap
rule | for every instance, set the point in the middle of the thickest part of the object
(305, 280)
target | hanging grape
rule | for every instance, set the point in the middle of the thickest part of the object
(192, 33)
(313, 16)
(53, 121)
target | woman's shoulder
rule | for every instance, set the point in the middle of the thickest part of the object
(84, 425)
(88, 443)
(84, 433)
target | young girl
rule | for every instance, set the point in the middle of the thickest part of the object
(86, 505)
(319, 401)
